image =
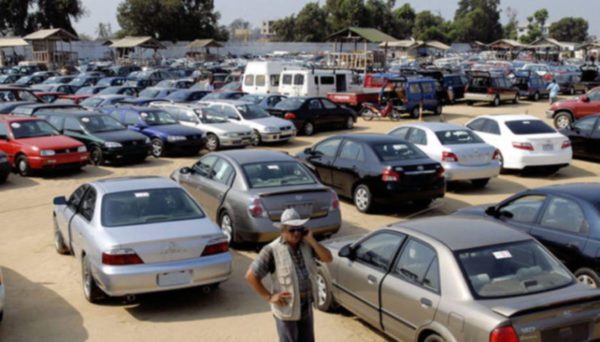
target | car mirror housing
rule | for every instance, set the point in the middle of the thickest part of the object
(308, 150)
(584, 98)
(60, 200)
(491, 211)
(346, 252)
(186, 171)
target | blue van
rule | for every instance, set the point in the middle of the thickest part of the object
(409, 93)
(530, 84)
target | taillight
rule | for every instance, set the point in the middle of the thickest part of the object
(335, 201)
(566, 144)
(256, 208)
(120, 257)
(466, 88)
(289, 116)
(441, 172)
(496, 155)
(504, 334)
(216, 248)
(523, 146)
(490, 90)
(390, 175)
(449, 157)
(530, 90)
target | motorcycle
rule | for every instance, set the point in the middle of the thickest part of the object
(372, 110)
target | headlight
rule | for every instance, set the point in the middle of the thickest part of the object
(112, 144)
(82, 149)
(174, 138)
(271, 129)
(147, 141)
(47, 153)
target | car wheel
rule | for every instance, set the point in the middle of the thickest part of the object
(515, 100)
(588, 277)
(562, 120)
(433, 338)
(349, 122)
(496, 102)
(363, 200)
(414, 113)
(367, 114)
(59, 242)
(394, 115)
(255, 138)
(536, 97)
(91, 291)
(227, 226)
(325, 301)
(3, 178)
(438, 110)
(212, 142)
(480, 183)
(23, 166)
(469, 103)
(96, 155)
(158, 148)
(308, 129)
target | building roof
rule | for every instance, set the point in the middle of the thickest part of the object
(204, 43)
(507, 44)
(52, 34)
(12, 42)
(146, 42)
(367, 34)
(415, 44)
(545, 42)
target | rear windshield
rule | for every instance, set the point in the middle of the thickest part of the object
(148, 206)
(511, 270)
(264, 175)
(397, 151)
(457, 137)
(524, 127)
(252, 111)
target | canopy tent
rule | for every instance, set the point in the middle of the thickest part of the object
(45, 47)
(358, 59)
(10, 42)
(198, 45)
(126, 49)
(360, 34)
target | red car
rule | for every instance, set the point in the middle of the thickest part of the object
(33, 144)
(565, 112)
(72, 99)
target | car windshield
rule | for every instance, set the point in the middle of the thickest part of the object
(397, 151)
(179, 96)
(289, 104)
(91, 102)
(78, 81)
(511, 270)
(252, 98)
(457, 137)
(149, 93)
(32, 129)
(157, 117)
(279, 173)
(210, 116)
(100, 123)
(252, 111)
(148, 206)
(524, 127)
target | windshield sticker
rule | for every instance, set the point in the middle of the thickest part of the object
(142, 194)
(502, 255)
(144, 115)
(85, 120)
(273, 167)
(15, 125)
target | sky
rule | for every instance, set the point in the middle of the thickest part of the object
(255, 11)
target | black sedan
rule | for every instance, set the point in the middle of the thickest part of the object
(372, 168)
(585, 137)
(565, 218)
(4, 167)
(311, 113)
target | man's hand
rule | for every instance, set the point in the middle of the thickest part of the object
(322, 252)
(309, 237)
(281, 298)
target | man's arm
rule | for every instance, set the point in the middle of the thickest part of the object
(322, 252)
(257, 270)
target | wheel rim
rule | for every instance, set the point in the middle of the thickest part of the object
(96, 156)
(309, 128)
(157, 148)
(57, 243)
(87, 280)
(212, 143)
(227, 227)
(415, 113)
(572, 91)
(23, 166)
(321, 290)
(562, 121)
(349, 123)
(588, 280)
(361, 198)
(255, 138)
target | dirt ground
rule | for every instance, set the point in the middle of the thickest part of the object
(44, 296)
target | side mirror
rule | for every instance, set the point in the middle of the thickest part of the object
(308, 151)
(4, 137)
(61, 200)
(346, 252)
(491, 211)
(186, 171)
(584, 98)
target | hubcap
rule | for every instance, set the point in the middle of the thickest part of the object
(96, 156)
(588, 280)
(361, 198)
(22, 166)
(227, 227)
(562, 121)
(309, 128)
(156, 148)
(212, 143)
(350, 123)
(255, 138)
(321, 289)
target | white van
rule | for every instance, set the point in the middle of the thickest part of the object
(308, 82)
(262, 77)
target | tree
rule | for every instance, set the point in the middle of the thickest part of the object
(381, 16)
(428, 26)
(345, 13)
(510, 29)
(284, 29)
(20, 17)
(311, 24)
(104, 31)
(570, 29)
(477, 20)
(58, 13)
(238, 25)
(405, 20)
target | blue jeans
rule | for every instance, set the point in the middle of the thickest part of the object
(298, 331)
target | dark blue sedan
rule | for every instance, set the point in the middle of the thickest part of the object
(186, 95)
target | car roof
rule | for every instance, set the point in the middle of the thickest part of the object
(13, 118)
(253, 156)
(460, 233)
(510, 117)
(370, 138)
(139, 109)
(436, 126)
(78, 113)
(121, 184)
(586, 191)
(49, 105)
(231, 102)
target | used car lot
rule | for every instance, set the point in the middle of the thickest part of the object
(42, 285)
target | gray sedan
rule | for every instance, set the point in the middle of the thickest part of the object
(458, 279)
(138, 235)
(246, 192)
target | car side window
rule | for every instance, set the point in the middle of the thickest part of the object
(222, 172)
(418, 265)
(379, 250)
(418, 136)
(87, 204)
(401, 132)
(204, 166)
(72, 124)
(524, 209)
(491, 127)
(414, 88)
(328, 148)
(314, 105)
(352, 151)
(564, 214)
(328, 104)
(585, 125)
(477, 125)
(229, 112)
(427, 88)
(594, 95)
(76, 196)
(131, 118)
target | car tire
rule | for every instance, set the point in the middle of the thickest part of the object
(469, 103)
(516, 99)
(496, 102)
(23, 167)
(91, 291)
(414, 113)
(96, 156)
(480, 183)
(367, 114)
(363, 199)
(562, 120)
(438, 109)
(59, 242)
(433, 338)
(325, 300)
(349, 123)
(3, 178)
(227, 226)
(394, 115)
(212, 142)
(308, 129)
(588, 277)
(158, 148)
(536, 97)
(255, 138)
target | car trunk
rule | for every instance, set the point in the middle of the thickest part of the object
(472, 154)
(480, 85)
(522, 84)
(546, 142)
(417, 173)
(309, 202)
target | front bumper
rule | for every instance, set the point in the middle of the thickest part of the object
(479, 97)
(58, 161)
(124, 153)
(235, 141)
(455, 172)
(136, 279)
(277, 136)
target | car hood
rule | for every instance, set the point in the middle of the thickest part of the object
(269, 122)
(478, 210)
(56, 142)
(565, 103)
(120, 136)
(175, 129)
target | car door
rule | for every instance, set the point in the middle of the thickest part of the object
(334, 114)
(590, 107)
(316, 114)
(563, 229)
(401, 132)
(410, 293)
(216, 186)
(522, 212)
(429, 95)
(80, 223)
(359, 277)
(67, 212)
(348, 167)
(5, 144)
(322, 158)
(195, 181)
(581, 138)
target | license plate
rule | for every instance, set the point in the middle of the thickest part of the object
(548, 147)
(304, 209)
(174, 278)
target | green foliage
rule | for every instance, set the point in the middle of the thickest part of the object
(509, 31)
(20, 17)
(345, 13)
(285, 29)
(405, 20)
(535, 26)
(570, 29)
(311, 24)
(477, 20)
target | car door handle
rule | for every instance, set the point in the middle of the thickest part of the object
(426, 302)
(572, 245)
(371, 280)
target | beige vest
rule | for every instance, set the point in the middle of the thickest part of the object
(285, 278)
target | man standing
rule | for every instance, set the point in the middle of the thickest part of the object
(290, 260)
(554, 88)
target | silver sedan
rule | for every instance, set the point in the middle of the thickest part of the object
(138, 235)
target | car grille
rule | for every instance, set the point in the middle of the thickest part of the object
(134, 143)
(285, 128)
(66, 150)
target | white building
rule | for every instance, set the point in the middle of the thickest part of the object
(266, 29)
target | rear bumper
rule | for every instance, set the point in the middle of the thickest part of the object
(456, 172)
(137, 279)
(528, 159)
(59, 161)
(479, 97)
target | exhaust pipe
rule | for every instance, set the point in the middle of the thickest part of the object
(206, 289)
(130, 298)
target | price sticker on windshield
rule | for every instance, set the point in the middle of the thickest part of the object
(141, 194)
(273, 167)
(85, 120)
(502, 255)
(144, 115)
(15, 125)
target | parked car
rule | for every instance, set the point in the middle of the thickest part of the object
(53, 88)
(4, 172)
(266, 101)
(123, 70)
(376, 168)
(137, 235)
(59, 80)
(84, 81)
(463, 154)
(530, 85)
(166, 134)
(570, 83)
(584, 135)
(186, 95)
(10, 78)
(106, 139)
(524, 141)
(562, 217)
(90, 90)
(225, 95)
(184, 83)
(566, 111)
(246, 192)
(139, 101)
(31, 109)
(98, 101)
(265, 127)
(11, 94)
(408, 94)
(490, 87)
(219, 131)
(28, 81)
(457, 279)
(114, 81)
(33, 144)
(148, 78)
(71, 99)
(9, 107)
(119, 90)
(310, 114)
(156, 93)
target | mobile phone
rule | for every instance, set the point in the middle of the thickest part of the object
(304, 232)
